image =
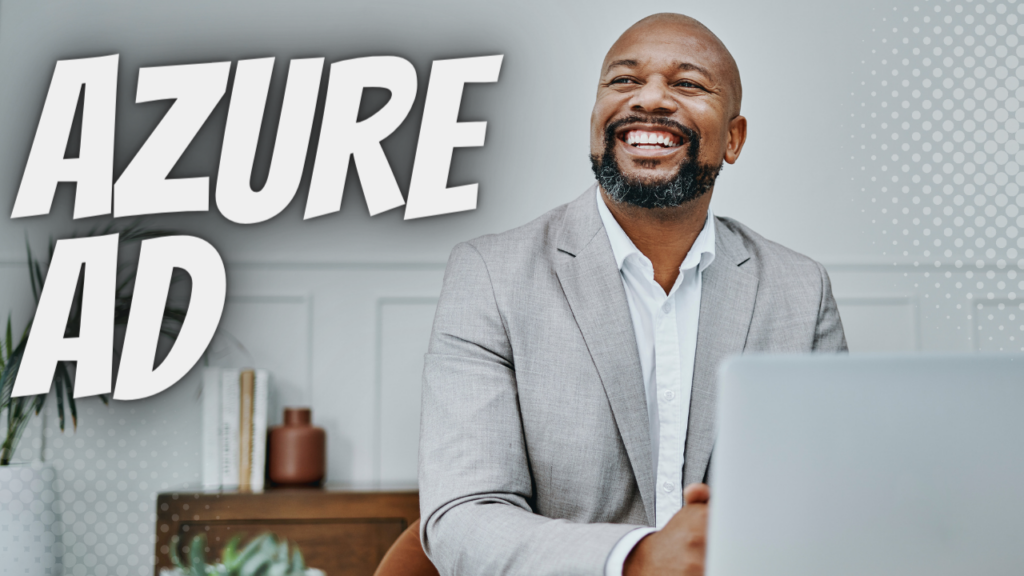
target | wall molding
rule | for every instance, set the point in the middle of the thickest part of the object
(302, 298)
(890, 299)
(378, 375)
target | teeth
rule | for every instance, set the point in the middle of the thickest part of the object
(644, 139)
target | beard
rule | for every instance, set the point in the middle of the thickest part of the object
(691, 181)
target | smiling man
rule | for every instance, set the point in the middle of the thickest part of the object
(569, 385)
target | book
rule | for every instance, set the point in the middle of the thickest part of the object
(259, 431)
(230, 412)
(247, 384)
(211, 397)
(234, 408)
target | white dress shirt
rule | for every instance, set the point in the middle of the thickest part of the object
(666, 338)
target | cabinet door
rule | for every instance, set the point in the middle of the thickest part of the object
(338, 547)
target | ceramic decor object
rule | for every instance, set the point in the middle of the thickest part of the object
(297, 450)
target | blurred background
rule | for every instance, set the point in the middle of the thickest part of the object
(883, 142)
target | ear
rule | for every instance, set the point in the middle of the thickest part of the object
(737, 136)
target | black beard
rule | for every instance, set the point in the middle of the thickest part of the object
(691, 181)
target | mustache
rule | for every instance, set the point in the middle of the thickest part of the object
(692, 137)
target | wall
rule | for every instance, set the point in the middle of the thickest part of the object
(339, 308)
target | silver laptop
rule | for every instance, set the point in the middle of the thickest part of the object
(868, 464)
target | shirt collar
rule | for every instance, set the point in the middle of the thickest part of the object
(702, 251)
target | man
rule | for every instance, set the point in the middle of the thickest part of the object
(569, 385)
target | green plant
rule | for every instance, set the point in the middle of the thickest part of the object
(263, 556)
(20, 410)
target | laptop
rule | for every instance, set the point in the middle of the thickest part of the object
(836, 465)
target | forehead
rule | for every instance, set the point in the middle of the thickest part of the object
(666, 46)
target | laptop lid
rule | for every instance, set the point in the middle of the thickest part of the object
(868, 464)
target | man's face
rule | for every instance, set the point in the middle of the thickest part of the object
(661, 121)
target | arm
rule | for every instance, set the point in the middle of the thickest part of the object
(828, 333)
(474, 475)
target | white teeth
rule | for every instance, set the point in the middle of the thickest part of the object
(643, 139)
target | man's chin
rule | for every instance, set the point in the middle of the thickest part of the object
(649, 169)
(648, 178)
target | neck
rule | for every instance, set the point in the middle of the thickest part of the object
(663, 235)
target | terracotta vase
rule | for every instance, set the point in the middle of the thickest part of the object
(297, 450)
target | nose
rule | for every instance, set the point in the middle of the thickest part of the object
(654, 98)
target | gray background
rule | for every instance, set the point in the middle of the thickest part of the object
(339, 308)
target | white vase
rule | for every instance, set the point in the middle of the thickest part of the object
(27, 520)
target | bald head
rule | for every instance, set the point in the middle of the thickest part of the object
(703, 42)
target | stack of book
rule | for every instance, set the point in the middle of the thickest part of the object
(234, 428)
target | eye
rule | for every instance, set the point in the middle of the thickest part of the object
(623, 80)
(689, 84)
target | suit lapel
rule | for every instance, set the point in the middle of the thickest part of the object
(726, 307)
(593, 288)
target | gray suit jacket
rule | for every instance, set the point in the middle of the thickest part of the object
(535, 453)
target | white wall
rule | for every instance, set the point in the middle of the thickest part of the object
(339, 308)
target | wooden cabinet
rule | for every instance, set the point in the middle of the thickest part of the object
(344, 532)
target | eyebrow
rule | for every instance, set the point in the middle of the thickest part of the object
(629, 63)
(688, 66)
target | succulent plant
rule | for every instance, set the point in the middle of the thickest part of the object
(265, 555)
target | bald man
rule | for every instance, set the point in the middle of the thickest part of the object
(569, 385)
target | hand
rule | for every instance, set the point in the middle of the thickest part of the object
(679, 547)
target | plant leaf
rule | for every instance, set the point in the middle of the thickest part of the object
(34, 267)
(298, 562)
(282, 552)
(257, 563)
(250, 550)
(60, 403)
(31, 276)
(10, 374)
(17, 420)
(65, 377)
(175, 559)
(230, 552)
(9, 338)
(197, 555)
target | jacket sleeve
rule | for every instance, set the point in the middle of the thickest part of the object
(828, 332)
(475, 482)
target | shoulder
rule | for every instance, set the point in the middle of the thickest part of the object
(524, 247)
(769, 260)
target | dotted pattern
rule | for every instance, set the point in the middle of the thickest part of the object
(105, 478)
(942, 148)
(27, 516)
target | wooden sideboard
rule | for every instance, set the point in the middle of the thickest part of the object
(342, 531)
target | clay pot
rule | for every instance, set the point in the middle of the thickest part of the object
(297, 450)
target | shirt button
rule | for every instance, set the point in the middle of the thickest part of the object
(670, 395)
(667, 307)
(667, 486)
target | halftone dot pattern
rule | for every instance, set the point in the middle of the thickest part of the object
(106, 476)
(941, 142)
(27, 503)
